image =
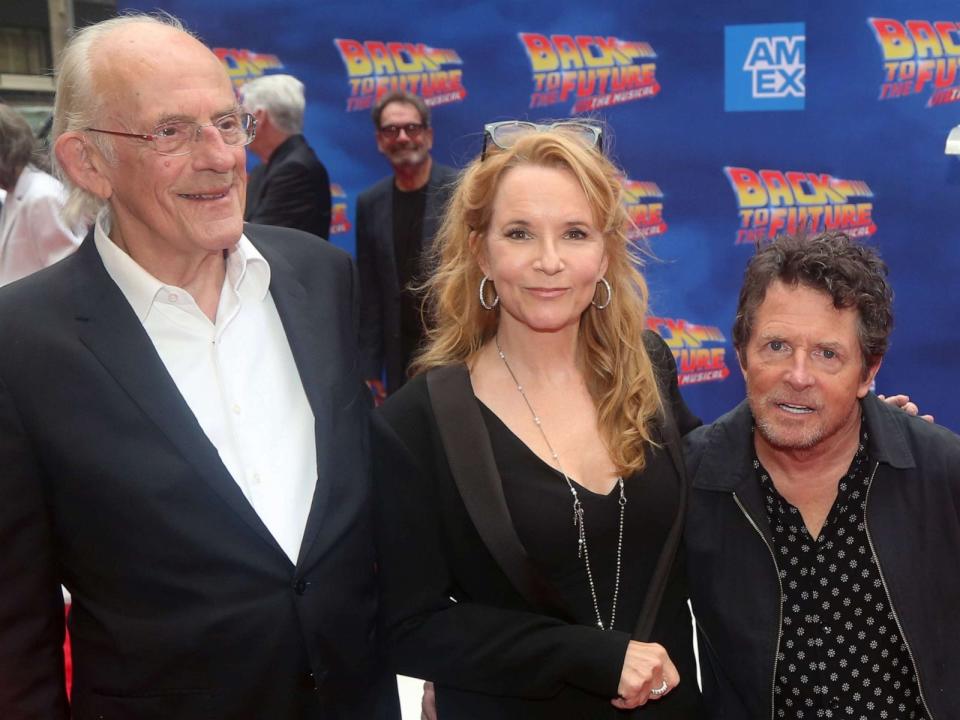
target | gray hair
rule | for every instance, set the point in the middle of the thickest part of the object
(16, 145)
(281, 96)
(77, 104)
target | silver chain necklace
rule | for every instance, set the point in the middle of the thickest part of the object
(582, 551)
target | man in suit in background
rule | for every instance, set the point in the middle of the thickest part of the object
(396, 221)
(182, 423)
(290, 187)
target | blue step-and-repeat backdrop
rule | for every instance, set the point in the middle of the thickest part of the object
(732, 121)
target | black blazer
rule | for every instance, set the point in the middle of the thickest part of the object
(184, 606)
(450, 612)
(291, 190)
(380, 289)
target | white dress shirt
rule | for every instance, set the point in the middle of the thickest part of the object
(239, 378)
(32, 234)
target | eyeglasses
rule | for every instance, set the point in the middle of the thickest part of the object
(505, 134)
(173, 138)
(392, 132)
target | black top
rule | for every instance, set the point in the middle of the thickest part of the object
(841, 652)
(292, 189)
(408, 210)
(451, 614)
(541, 507)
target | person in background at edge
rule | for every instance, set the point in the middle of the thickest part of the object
(32, 233)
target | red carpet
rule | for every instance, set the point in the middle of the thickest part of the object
(68, 660)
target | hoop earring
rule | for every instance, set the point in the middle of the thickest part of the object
(483, 300)
(609, 289)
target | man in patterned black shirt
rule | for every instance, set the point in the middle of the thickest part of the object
(823, 531)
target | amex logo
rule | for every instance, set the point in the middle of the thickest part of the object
(765, 67)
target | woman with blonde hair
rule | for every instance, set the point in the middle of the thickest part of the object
(530, 488)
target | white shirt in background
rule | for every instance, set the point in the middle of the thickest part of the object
(32, 233)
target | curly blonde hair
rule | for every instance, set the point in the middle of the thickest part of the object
(610, 352)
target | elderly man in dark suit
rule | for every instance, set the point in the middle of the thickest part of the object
(290, 187)
(182, 423)
(396, 221)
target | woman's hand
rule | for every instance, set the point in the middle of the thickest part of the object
(646, 667)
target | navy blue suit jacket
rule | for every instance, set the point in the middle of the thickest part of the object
(291, 190)
(184, 606)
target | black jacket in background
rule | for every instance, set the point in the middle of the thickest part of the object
(291, 190)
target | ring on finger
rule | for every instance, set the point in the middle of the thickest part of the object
(658, 691)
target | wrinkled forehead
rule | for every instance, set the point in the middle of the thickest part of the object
(144, 72)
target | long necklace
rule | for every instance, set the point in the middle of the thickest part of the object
(582, 551)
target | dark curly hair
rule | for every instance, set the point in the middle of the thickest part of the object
(852, 274)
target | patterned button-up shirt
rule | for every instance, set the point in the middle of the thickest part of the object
(841, 652)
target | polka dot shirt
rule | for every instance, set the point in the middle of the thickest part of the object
(841, 653)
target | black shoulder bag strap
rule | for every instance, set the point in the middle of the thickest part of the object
(651, 603)
(470, 455)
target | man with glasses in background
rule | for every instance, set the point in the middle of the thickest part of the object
(396, 221)
(181, 423)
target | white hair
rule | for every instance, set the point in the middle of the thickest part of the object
(281, 96)
(77, 104)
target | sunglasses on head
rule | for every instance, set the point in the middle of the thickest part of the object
(506, 133)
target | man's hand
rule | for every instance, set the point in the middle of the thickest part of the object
(646, 667)
(903, 402)
(428, 705)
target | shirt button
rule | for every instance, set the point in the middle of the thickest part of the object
(236, 409)
(256, 478)
(173, 297)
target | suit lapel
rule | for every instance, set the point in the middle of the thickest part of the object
(108, 327)
(472, 463)
(301, 323)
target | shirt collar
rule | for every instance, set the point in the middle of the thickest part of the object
(248, 272)
(857, 469)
